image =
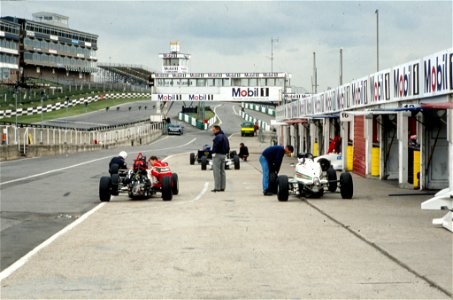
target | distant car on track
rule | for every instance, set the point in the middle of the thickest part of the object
(175, 129)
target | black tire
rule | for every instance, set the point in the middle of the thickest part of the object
(114, 169)
(332, 177)
(283, 188)
(273, 183)
(166, 188)
(115, 182)
(346, 185)
(175, 184)
(233, 154)
(105, 186)
(237, 163)
(204, 163)
(192, 158)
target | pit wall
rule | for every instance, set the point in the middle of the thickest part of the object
(259, 108)
(23, 142)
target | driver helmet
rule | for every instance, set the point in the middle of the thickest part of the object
(123, 154)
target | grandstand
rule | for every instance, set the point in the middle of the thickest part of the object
(132, 74)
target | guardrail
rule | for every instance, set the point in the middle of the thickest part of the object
(263, 125)
(197, 123)
(260, 108)
(38, 141)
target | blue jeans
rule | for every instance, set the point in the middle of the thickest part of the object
(265, 167)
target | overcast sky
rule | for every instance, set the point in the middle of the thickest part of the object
(236, 36)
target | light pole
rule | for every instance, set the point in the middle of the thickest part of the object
(272, 53)
(341, 66)
(42, 107)
(377, 39)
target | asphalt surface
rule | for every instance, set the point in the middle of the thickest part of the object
(34, 208)
(235, 244)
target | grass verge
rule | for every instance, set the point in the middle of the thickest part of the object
(71, 111)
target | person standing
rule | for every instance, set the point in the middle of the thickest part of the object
(220, 148)
(271, 161)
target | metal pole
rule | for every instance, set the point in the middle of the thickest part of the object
(341, 66)
(377, 39)
(272, 53)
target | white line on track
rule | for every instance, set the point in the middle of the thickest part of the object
(203, 191)
(220, 120)
(24, 259)
(85, 163)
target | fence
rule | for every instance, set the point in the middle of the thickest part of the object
(34, 141)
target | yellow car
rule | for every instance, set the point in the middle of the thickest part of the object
(247, 128)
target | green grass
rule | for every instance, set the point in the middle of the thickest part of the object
(71, 111)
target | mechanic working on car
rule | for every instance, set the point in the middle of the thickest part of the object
(158, 168)
(220, 147)
(243, 151)
(271, 160)
(119, 160)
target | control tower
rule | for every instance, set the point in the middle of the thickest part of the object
(175, 61)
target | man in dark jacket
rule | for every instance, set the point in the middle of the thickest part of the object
(271, 161)
(119, 160)
(220, 148)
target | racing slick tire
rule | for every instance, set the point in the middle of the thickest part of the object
(192, 158)
(273, 183)
(166, 188)
(332, 178)
(114, 169)
(115, 182)
(233, 154)
(175, 184)
(105, 186)
(346, 185)
(237, 163)
(204, 163)
(283, 188)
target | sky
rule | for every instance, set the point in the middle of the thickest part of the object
(235, 36)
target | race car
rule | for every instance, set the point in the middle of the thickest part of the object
(204, 157)
(139, 182)
(312, 178)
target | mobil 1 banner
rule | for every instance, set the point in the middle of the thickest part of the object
(223, 94)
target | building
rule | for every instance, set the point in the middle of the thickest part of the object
(9, 51)
(175, 61)
(50, 50)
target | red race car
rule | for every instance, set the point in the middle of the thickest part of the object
(140, 181)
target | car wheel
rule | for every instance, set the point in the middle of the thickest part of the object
(175, 184)
(192, 158)
(166, 188)
(204, 163)
(237, 163)
(346, 185)
(105, 187)
(332, 178)
(233, 154)
(283, 188)
(273, 183)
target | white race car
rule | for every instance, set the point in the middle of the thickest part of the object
(312, 178)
